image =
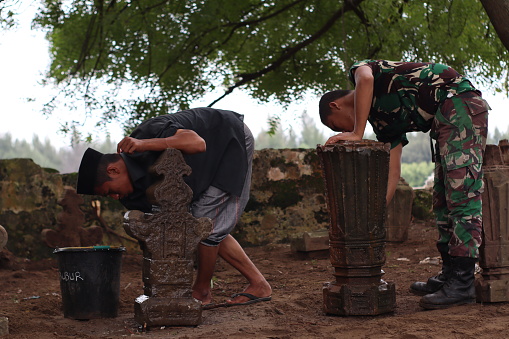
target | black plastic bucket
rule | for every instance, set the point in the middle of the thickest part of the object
(90, 281)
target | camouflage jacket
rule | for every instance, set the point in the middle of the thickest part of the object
(407, 95)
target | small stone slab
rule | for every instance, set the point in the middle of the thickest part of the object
(4, 326)
(311, 245)
(3, 237)
(311, 241)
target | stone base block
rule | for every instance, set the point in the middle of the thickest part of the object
(154, 311)
(311, 241)
(492, 291)
(311, 245)
(372, 299)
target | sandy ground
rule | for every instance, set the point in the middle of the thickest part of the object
(30, 298)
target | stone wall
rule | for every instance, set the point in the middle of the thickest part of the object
(29, 198)
(287, 199)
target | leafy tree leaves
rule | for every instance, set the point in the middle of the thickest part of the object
(158, 56)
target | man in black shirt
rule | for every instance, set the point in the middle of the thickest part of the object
(218, 147)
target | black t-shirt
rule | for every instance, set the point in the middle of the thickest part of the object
(223, 164)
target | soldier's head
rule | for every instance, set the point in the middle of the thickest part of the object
(336, 110)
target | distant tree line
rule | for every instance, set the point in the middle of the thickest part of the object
(43, 153)
(416, 159)
(276, 137)
(416, 165)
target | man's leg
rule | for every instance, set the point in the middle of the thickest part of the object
(220, 208)
(207, 256)
(444, 227)
(461, 140)
(231, 251)
(224, 210)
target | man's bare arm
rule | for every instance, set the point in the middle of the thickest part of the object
(185, 140)
(363, 98)
(394, 171)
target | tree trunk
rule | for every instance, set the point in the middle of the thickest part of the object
(498, 12)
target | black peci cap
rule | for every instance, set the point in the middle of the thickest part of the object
(88, 171)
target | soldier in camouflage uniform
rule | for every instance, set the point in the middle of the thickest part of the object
(401, 97)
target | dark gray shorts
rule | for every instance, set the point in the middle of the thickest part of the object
(224, 209)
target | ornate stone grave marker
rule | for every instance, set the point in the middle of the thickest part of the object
(355, 175)
(169, 238)
(70, 231)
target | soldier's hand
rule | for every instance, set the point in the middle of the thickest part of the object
(343, 136)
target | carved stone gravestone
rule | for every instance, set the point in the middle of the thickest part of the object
(70, 231)
(493, 286)
(355, 175)
(169, 238)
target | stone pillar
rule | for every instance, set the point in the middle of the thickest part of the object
(493, 286)
(169, 238)
(399, 213)
(355, 175)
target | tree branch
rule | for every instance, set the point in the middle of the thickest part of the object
(498, 12)
(289, 52)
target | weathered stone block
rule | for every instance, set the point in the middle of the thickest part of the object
(168, 311)
(422, 207)
(493, 286)
(359, 299)
(399, 213)
(311, 241)
(311, 245)
(3, 237)
(4, 326)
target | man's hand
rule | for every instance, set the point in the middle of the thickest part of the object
(187, 141)
(351, 136)
(130, 145)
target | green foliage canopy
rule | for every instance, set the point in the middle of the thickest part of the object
(416, 173)
(171, 52)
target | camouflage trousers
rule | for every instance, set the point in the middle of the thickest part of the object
(460, 129)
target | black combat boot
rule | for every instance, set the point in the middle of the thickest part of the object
(457, 290)
(436, 282)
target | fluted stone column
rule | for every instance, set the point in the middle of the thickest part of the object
(355, 175)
